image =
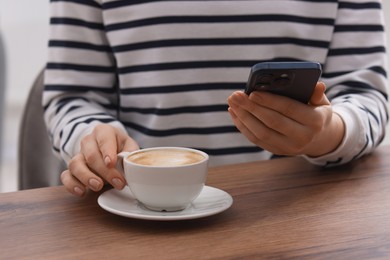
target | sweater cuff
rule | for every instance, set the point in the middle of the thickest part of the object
(351, 144)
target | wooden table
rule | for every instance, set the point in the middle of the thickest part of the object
(284, 208)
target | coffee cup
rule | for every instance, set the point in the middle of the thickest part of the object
(165, 178)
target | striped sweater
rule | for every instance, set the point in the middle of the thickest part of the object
(162, 70)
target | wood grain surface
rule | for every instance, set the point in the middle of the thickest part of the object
(282, 209)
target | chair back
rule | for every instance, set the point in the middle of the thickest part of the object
(38, 166)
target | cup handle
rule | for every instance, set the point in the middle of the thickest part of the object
(119, 162)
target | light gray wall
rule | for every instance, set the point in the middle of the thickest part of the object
(24, 27)
(2, 90)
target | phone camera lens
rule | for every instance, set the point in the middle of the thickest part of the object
(282, 81)
(265, 79)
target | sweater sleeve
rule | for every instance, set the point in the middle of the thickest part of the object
(80, 82)
(355, 73)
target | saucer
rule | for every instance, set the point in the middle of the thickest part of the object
(210, 201)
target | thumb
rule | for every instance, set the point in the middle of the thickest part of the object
(319, 98)
(130, 145)
(124, 143)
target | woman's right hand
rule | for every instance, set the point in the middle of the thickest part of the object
(95, 164)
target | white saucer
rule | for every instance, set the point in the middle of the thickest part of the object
(211, 201)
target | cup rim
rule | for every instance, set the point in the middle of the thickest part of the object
(205, 155)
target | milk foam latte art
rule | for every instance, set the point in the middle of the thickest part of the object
(166, 157)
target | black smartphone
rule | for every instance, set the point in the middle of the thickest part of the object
(291, 79)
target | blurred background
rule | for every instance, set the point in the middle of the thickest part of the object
(24, 34)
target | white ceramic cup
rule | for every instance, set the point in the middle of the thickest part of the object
(165, 180)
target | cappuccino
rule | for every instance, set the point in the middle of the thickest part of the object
(164, 178)
(166, 157)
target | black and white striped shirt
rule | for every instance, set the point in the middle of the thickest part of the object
(162, 70)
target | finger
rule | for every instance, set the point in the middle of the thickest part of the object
(303, 114)
(319, 98)
(124, 143)
(236, 97)
(242, 127)
(269, 128)
(94, 160)
(106, 140)
(79, 170)
(71, 184)
(260, 138)
(111, 141)
(283, 105)
(271, 118)
(253, 127)
(129, 145)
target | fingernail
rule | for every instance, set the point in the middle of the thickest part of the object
(94, 184)
(118, 183)
(231, 112)
(78, 191)
(107, 160)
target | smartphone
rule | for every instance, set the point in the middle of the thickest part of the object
(291, 79)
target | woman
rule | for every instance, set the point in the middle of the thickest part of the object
(128, 74)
